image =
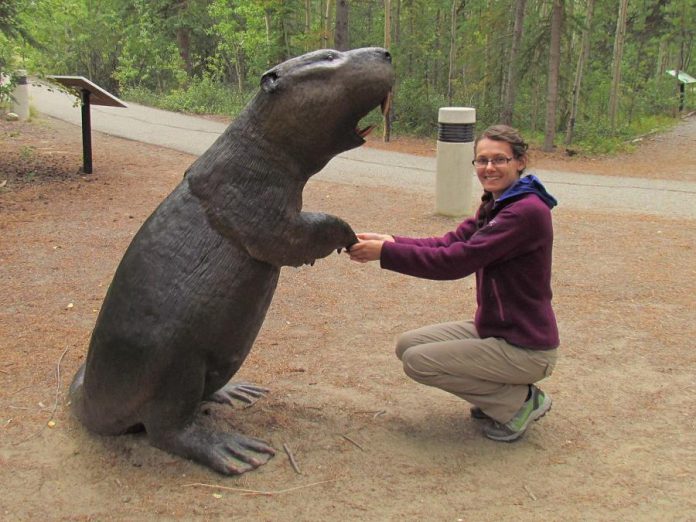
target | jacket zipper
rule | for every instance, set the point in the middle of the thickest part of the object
(498, 301)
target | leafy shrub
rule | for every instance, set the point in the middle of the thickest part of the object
(201, 96)
(7, 85)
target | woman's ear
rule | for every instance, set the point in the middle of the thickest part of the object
(522, 162)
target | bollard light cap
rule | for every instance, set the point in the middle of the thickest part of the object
(457, 115)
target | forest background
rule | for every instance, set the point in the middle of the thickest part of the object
(586, 73)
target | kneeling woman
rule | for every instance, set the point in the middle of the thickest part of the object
(494, 360)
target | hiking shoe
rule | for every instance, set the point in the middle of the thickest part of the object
(533, 409)
(477, 413)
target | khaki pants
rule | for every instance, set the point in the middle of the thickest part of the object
(490, 373)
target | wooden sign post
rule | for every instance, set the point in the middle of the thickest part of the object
(90, 94)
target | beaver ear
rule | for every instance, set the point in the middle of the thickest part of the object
(269, 81)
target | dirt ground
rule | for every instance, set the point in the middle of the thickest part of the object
(619, 444)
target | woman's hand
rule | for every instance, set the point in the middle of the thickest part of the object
(376, 237)
(366, 250)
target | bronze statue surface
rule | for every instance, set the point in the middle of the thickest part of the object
(192, 290)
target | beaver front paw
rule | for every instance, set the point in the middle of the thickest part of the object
(329, 233)
(345, 236)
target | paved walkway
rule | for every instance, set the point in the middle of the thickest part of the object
(372, 167)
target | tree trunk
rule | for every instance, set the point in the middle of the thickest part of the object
(238, 69)
(183, 42)
(554, 68)
(286, 39)
(683, 44)
(510, 79)
(387, 44)
(484, 72)
(308, 22)
(661, 59)
(452, 50)
(616, 63)
(341, 36)
(397, 23)
(182, 33)
(577, 83)
(326, 34)
(267, 18)
(438, 75)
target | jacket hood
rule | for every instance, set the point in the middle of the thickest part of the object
(529, 184)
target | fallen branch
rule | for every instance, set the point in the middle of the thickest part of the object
(352, 442)
(255, 492)
(21, 389)
(27, 408)
(529, 492)
(292, 459)
(55, 402)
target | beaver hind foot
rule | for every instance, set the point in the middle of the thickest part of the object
(228, 453)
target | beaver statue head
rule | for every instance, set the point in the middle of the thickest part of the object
(315, 102)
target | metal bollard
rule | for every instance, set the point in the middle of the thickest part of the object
(455, 151)
(20, 96)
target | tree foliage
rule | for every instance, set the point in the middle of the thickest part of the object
(493, 55)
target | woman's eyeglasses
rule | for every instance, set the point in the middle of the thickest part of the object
(497, 162)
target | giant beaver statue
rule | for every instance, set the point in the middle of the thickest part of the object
(192, 290)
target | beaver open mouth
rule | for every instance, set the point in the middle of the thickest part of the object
(384, 106)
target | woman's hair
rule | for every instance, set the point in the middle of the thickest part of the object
(508, 135)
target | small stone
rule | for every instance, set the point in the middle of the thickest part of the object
(12, 116)
(51, 424)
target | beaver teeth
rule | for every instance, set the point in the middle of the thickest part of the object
(386, 103)
(384, 106)
(364, 132)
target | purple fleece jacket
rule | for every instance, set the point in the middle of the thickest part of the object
(508, 245)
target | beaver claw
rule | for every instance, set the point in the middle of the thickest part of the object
(234, 393)
(347, 248)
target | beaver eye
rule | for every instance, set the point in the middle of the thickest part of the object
(330, 57)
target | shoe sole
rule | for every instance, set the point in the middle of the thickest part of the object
(535, 416)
